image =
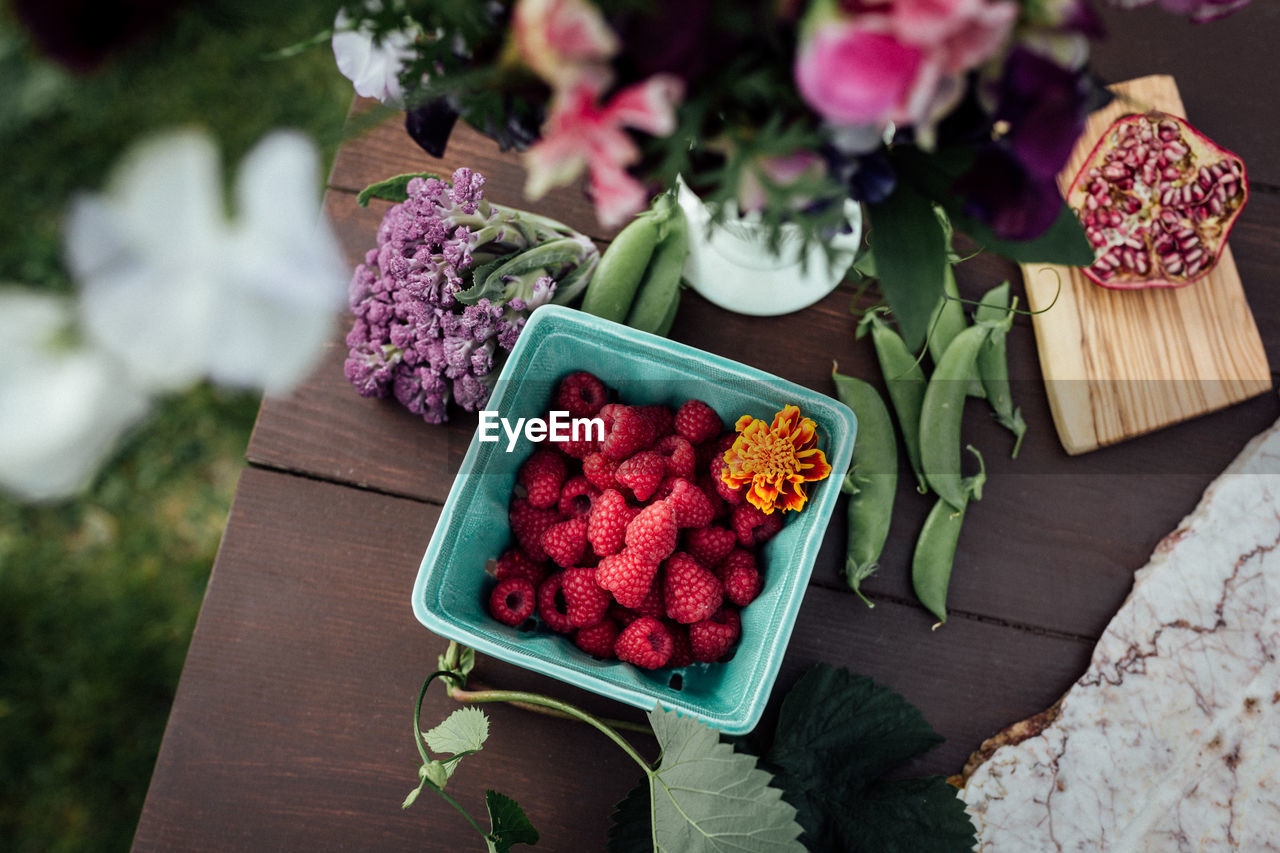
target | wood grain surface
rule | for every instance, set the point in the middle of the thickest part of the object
(1122, 363)
(291, 726)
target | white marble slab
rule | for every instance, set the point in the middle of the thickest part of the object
(1171, 739)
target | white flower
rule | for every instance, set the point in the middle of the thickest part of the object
(374, 69)
(63, 406)
(178, 292)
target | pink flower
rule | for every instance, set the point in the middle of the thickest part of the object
(779, 171)
(583, 133)
(896, 60)
(556, 38)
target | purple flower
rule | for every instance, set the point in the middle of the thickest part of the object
(1041, 110)
(1000, 191)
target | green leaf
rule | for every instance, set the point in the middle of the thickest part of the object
(706, 797)
(927, 815)
(465, 730)
(1063, 244)
(508, 822)
(392, 189)
(631, 828)
(837, 733)
(910, 259)
(413, 795)
(842, 729)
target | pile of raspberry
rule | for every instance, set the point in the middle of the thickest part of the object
(632, 545)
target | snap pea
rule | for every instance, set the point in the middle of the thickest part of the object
(934, 556)
(872, 480)
(659, 290)
(993, 362)
(941, 413)
(622, 265)
(949, 321)
(906, 382)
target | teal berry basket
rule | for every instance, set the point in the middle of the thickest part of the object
(452, 588)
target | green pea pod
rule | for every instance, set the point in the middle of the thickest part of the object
(935, 552)
(906, 382)
(659, 289)
(949, 321)
(622, 264)
(872, 480)
(941, 413)
(993, 362)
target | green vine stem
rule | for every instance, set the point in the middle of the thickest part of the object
(426, 759)
(543, 704)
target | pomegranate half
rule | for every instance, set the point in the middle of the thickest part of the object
(1157, 199)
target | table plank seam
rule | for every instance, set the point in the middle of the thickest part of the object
(264, 465)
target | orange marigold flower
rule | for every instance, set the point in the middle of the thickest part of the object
(775, 460)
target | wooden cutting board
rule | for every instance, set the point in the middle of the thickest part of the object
(1120, 363)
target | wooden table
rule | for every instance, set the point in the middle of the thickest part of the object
(292, 723)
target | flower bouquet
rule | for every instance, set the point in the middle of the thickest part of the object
(787, 108)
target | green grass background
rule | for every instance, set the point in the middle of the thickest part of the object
(99, 595)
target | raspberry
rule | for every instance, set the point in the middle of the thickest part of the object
(627, 431)
(579, 449)
(599, 469)
(718, 505)
(736, 558)
(731, 496)
(577, 496)
(709, 545)
(627, 575)
(607, 524)
(528, 523)
(580, 394)
(541, 476)
(681, 652)
(565, 542)
(711, 449)
(586, 603)
(597, 640)
(753, 526)
(514, 563)
(741, 577)
(689, 505)
(651, 535)
(691, 591)
(641, 473)
(713, 638)
(697, 422)
(678, 454)
(660, 418)
(653, 604)
(512, 601)
(646, 642)
(552, 608)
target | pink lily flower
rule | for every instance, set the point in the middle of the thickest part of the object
(581, 133)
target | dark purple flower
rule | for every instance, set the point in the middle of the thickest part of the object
(430, 125)
(1041, 111)
(1000, 191)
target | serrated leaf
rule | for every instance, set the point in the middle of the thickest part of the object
(836, 728)
(707, 798)
(630, 826)
(928, 817)
(837, 733)
(508, 823)
(910, 259)
(392, 189)
(464, 730)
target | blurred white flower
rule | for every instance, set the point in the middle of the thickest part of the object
(374, 69)
(63, 405)
(178, 292)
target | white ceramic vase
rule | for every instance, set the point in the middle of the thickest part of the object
(731, 265)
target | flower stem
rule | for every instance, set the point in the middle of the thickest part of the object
(538, 702)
